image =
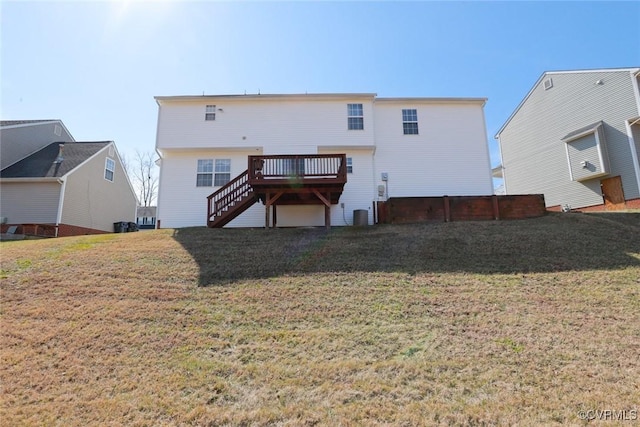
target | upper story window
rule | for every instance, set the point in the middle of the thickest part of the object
(210, 112)
(355, 117)
(349, 164)
(204, 177)
(410, 121)
(223, 172)
(109, 169)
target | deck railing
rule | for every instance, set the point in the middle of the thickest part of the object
(298, 166)
(221, 200)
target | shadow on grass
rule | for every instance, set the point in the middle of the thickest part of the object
(556, 242)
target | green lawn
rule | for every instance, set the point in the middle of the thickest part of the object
(479, 323)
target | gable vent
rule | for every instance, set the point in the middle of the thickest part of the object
(111, 151)
(57, 130)
(548, 84)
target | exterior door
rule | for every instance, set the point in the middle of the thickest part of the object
(612, 193)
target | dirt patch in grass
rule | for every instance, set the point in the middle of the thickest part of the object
(120, 331)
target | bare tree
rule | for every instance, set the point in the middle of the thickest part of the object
(144, 176)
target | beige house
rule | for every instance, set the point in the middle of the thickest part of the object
(66, 188)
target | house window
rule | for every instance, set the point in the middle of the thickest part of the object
(223, 172)
(204, 177)
(210, 112)
(349, 164)
(410, 121)
(355, 120)
(109, 169)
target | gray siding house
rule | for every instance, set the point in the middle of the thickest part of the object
(575, 137)
(65, 188)
(21, 138)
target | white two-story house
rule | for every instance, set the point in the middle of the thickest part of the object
(312, 159)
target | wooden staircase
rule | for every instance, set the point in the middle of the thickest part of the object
(280, 180)
(230, 201)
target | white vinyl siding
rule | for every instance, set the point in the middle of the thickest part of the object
(533, 154)
(181, 204)
(280, 127)
(445, 158)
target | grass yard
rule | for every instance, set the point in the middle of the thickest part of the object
(480, 323)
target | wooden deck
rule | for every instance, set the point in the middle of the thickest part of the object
(312, 179)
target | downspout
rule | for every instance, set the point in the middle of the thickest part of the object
(63, 183)
(504, 175)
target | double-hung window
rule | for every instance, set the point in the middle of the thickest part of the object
(222, 172)
(210, 112)
(109, 169)
(355, 117)
(204, 177)
(349, 164)
(410, 121)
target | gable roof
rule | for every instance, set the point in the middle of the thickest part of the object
(632, 70)
(41, 163)
(4, 123)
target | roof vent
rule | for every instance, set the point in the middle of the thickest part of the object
(548, 84)
(59, 159)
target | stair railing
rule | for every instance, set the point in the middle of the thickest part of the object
(232, 192)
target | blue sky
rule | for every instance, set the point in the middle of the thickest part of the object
(98, 65)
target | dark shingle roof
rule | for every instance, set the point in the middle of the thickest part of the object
(24, 122)
(40, 164)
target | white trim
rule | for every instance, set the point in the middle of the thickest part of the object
(29, 180)
(44, 122)
(268, 97)
(572, 138)
(636, 91)
(634, 152)
(504, 175)
(61, 204)
(566, 148)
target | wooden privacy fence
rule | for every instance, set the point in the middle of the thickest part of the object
(405, 210)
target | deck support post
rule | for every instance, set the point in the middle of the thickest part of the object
(268, 202)
(275, 216)
(267, 205)
(327, 207)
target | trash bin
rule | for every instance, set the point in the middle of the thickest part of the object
(120, 227)
(360, 218)
(132, 226)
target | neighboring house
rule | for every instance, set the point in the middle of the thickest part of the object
(20, 138)
(146, 217)
(575, 138)
(318, 158)
(66, 189)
